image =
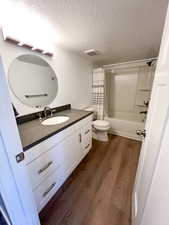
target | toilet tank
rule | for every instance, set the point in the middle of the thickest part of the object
(91, 109)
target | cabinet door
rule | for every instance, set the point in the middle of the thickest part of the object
(69, 154)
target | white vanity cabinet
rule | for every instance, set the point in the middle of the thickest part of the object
(51, 162)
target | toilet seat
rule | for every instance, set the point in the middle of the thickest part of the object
(101, 124)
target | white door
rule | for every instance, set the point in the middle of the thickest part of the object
(14, 185)
(155, 124)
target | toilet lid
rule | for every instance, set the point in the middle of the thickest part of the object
(101, 123)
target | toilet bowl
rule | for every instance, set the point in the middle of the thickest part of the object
(100, 127)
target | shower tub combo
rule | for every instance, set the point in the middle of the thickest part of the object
(127, 93)
(125, 127)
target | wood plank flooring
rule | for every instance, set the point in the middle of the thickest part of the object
(99, 190)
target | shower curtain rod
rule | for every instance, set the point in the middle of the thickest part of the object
(142, 61)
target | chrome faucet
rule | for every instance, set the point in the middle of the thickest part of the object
(46, 110)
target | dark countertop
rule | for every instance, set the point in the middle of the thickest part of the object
(33, 132)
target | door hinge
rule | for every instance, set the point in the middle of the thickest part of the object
(20, 157)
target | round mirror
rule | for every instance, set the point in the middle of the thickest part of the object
(33, 81)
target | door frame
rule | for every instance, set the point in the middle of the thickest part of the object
(15, 188)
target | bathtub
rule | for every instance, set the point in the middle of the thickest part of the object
(125, 127)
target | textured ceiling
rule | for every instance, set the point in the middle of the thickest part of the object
(121, 30)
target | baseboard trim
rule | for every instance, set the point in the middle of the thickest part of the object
(134, 208)
(125, 134)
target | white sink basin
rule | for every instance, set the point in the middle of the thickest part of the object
(55, 120)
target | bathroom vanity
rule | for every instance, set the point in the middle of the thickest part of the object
(53, 152)
(54, 140)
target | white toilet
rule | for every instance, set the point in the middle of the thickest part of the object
(100, 127)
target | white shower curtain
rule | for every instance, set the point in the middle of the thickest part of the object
(98, 92)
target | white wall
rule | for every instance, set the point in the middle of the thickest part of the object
(128, 88)
(74, 75)
(123, 91)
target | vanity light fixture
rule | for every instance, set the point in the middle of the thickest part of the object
(27, 45)
(20, 43)
(47, 53)
(12, 40)
(37, 50)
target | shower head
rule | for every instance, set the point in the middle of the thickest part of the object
(151, 62)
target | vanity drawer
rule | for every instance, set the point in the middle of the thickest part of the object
(42, 167)
(46, 190)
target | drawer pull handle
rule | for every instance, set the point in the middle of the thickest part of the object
(87, 131)
(87, 146)
(49, 189)
(45, 167)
